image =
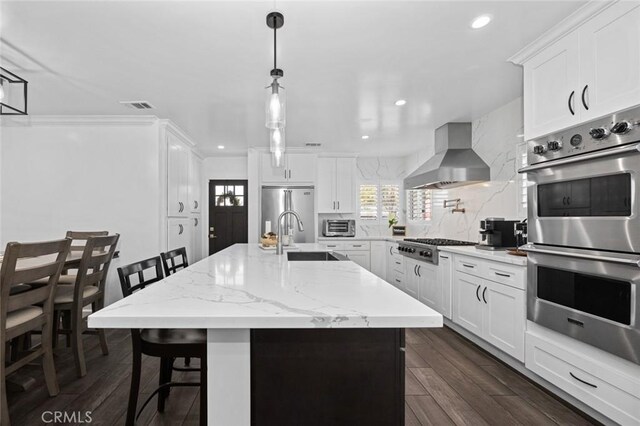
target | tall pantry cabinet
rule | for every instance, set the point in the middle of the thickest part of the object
(183, 181)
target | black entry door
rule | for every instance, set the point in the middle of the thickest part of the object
(227, 213)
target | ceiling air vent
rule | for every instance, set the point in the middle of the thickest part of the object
(313, 144)
(137, 104)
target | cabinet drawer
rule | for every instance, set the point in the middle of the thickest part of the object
(398, 280)
(357, 246)
(609, 391)
(510, 275)
(398, 264)
(334, 246)
(468, 265)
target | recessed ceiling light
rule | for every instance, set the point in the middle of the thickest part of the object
(220, 146)
(520, 135)
(365, 137)
(400, 102)
(480, 21)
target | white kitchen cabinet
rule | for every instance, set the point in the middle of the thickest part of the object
(336, 185)
(297, 168)
(467, 305)
(378, 258)
(195, 166)
(445, 279)
(179, 235)
(551, 88)
(610, 60)
(503, 318)
(177, 177)
(196, 238)
(430, 285)
(360, 257)
(411, 277)
(395, 263)
(592, 69)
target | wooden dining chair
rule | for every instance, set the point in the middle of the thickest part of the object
(29, 310)
(88, 289)
(78, 243)
(166, 344)
(174, 260)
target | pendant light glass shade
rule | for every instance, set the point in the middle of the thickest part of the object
(275, 106)
(277, 147)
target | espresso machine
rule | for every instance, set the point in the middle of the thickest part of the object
(496, 233)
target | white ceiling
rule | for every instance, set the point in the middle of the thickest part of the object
(204, 65)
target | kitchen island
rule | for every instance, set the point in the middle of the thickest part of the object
(246, 296)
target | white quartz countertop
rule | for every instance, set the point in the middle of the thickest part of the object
(495, 255)
(365, 238)
(244, 286)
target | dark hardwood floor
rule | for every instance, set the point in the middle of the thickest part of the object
(449, 381)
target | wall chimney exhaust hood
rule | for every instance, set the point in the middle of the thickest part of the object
(455, 163)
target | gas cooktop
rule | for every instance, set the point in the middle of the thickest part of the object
(426, 249)
(439, 242)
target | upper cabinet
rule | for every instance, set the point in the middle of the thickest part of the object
(610, 60)
(336, 184)
(589, 68)
(297, 168)
(177, 177)
(195, 170)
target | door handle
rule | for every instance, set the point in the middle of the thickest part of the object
(503, 275)
(338, 204)
(391, 251)
(570, 103)
(444, 257)
(334, 205)
(468, 266)
(181, 229)
(478, 294)
(195, 204)
(415, 270)
(419, 271)
(629, 262)
(483, 293)
(582, 381)
(289, 173)
(196, 220)
(584, 102)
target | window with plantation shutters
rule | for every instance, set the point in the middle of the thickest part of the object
(419, 204)
(379, 201)
(369, 202)
(389, 200)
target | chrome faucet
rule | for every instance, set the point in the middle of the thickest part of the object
(279, 249)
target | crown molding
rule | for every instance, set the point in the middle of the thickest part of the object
(564, 27)
(171, 127)
(80, 120)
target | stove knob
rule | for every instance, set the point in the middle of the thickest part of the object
(554, 145)
(621, 127)
(599, 133)
(539, 149)
(401, 248)
(412, 250)
(429, 253)
(421, 253)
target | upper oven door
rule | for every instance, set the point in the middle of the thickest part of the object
(587, 201)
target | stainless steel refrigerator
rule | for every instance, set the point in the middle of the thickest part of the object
(276, 199)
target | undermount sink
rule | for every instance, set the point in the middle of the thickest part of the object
(313, 255)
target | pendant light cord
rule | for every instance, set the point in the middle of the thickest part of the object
(275, 47)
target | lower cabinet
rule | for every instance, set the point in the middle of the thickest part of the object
(445, 282)
(412, 279)
(493, 311)
(395, 264)
(362, 258)
(430, 286)
(179, 234)
(378, 259)
(196, 239)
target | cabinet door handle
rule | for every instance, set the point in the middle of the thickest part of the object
(181, 229)
(289, 173)
(483, 293)
(397, 263)
(285, 173)
(468, 266)
(584, 101)
(195, 204)
(444, 257)
(583, 381)
(503, 275)
(397, 280)
(338, 204)
(478, 294)
(196, 219)
(334, 205)
(570, 103)
(419, 271)
(357, 245)
(391, 251)
(415, 270)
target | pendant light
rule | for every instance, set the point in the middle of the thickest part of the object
(275, 106)
(276, 146)
(13, 93)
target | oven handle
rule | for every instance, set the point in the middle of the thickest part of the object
(584, 157)
(629, 262)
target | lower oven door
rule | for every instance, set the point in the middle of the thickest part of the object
(589, 295)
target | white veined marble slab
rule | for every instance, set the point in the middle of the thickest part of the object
(246, 287)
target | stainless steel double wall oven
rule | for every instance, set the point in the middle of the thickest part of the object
(584, 233)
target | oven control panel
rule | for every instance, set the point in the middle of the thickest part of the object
(619, 129)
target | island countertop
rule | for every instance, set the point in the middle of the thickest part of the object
(245, 287)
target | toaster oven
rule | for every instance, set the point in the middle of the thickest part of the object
(339, 228)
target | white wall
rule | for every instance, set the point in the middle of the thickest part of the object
(83, 177)
(495, 139)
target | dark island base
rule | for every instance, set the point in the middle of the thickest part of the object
(327, 377)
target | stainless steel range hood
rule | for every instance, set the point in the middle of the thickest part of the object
(455, 163)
